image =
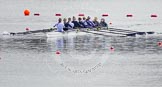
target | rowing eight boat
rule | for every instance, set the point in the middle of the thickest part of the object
(104, 31)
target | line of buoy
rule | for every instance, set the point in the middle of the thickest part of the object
(111, 48)
(27, 29)
(129, 15)
(36, 14)
(160, 44)
(58, 14)
(153, 15)
(105, 15)
(81, 15)
(58, 52)
(27, 13)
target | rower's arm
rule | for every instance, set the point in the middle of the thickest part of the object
(55, 25)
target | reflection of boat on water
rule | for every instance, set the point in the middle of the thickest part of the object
(77, 43)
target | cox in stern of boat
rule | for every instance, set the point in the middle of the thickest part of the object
(103, 23)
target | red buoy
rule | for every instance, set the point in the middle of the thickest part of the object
(129, 15)
(57, 14)
(105, 15)
(160, 44)
(110, 23)
(36, 14)
(111, 48)
(27, 29)
(153, 15)
(58, 52)
(26, 12)
(81, 15)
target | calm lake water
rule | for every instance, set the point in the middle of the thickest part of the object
(84, 60)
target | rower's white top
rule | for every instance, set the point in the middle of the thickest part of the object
(72, 24)
(60, 27)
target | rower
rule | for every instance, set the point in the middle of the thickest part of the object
(90, 24)
(65, 20)
(103, 23)
(65, 24)
(84, 19)
(76, 24)
(96, 23)
(69, 24)
(59, 25)
(81, 23)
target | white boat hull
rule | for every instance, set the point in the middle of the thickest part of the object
(70, 33)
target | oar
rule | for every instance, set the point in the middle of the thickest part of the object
(88, 31)
(121, 30)
(99, 34)
(34, 31)
(130, 31)
(112, 32)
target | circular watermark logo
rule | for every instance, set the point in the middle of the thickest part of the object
(79, 63)
(84, 58)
